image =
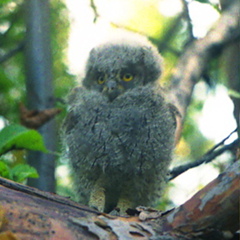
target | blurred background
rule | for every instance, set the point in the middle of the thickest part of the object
(75, 26)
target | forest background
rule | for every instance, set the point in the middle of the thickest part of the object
(72, 29)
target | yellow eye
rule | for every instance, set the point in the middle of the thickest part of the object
(101, 80)
(127, 77)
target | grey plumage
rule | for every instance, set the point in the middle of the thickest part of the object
(119, 131)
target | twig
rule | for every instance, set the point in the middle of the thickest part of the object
(208, 157)
(94, 8)
(12, 52)
(188, 19)
(222, 142)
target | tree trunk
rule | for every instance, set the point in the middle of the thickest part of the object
(40, 87)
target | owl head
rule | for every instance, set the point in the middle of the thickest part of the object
(116, 66)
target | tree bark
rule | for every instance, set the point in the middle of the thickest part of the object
(27, 213)
(40, 87)
(195, 59)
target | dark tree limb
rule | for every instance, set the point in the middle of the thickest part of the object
(12, 52)
(28, 213)
(15, 15)
(188, 19)
(197, 55)
(212, 213)
(95, 11)
(208, 157)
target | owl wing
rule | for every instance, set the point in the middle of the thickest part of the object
(85, 130)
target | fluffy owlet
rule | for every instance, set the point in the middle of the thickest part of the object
(119, 130)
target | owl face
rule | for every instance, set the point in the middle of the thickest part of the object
(112, 69)
(114, 82)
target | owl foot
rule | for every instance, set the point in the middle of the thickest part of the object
(97, 198)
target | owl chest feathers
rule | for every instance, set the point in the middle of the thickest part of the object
(129, 130)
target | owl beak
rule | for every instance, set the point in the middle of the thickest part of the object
(111, 89)
(111, 85)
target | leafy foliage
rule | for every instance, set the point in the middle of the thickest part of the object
(203, 1)
(18, 137)
(12, 79)
(18, 173)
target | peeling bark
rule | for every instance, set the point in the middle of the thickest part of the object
(212, 213)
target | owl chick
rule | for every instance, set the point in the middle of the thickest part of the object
(119, 131)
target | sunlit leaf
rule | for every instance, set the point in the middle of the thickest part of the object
(5, 83)
(23, 171)
(234, 93)
(18, 137)
(203, 1)
(4, 170)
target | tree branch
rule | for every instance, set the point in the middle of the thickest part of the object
(211, 214)
(12, 52)
(208, 157)
(197, 55)
(207, 214)
(188, 20)
(95, 11)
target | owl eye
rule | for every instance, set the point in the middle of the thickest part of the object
(127, 77)
(101, 80)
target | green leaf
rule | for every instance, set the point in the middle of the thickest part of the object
(4, 170)
(23, 171)
(203, 1)
(18, 137)
(234, 93)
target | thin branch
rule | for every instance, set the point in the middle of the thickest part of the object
(12, 52)
(95, 11)
(188, 19)
(222, 142)
(208, 157)
(15, 15)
